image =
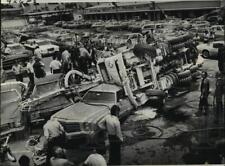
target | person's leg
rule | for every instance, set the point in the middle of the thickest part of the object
(200, 108)
(206, 105)
(117, 153)
(50, 146)
(110, 152)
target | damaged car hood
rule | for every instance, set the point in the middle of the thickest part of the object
(82, 112)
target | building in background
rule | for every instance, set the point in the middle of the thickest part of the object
(151, 9)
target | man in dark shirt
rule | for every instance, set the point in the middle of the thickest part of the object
(203, 103)
(218, 97)
(221, 59)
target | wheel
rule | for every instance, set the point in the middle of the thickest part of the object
(205, 53)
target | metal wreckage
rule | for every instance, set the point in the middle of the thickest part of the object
(136, 76)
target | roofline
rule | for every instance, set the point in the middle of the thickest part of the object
(47, 12)
(144, 2)
(136, 11)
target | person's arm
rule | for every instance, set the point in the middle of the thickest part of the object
(60, 64)
(86, 161)
(13, 69)
(51, 67)
(46, 133)
(118, 131)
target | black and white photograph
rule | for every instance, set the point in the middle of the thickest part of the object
(97, 83)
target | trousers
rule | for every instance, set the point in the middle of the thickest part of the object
(114, 150)
(203, 105)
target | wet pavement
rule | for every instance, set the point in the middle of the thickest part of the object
(172, 136)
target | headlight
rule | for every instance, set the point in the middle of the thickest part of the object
(87, 126)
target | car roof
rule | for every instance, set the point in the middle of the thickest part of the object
(107, 88)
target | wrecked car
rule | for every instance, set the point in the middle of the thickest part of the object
(11, 116)
(82, 120)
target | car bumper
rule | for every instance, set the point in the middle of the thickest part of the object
(84, 136)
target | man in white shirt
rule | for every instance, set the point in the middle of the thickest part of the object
(66, 61)
(30, 72)
(55, 66)
(113, 129)
(37, 52)
(54, 134)
(95, 159)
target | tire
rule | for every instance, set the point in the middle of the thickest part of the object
(205, 54)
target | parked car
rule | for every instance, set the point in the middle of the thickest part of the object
(45, 45)
(83, 120)
(56, 33)
(16, 52)
(65, 42)
(218, 31)
(121, 40)
(209, 50)
(149, 27)
(99, 38)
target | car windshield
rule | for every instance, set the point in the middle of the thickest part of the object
(99, 97)
(41, 43)
(45, 88)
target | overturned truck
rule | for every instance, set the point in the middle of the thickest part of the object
(129, 79)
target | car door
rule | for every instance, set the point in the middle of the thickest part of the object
(124, 103)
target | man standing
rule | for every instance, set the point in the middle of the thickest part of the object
(84, 58)
(221, 59)
(66, 61)
(17, 69)
(54, 134)
(218, 98)
(55, 66)
(30, 72)
(115, 136)
(38, 67)
(203, 103)
(37, 52)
